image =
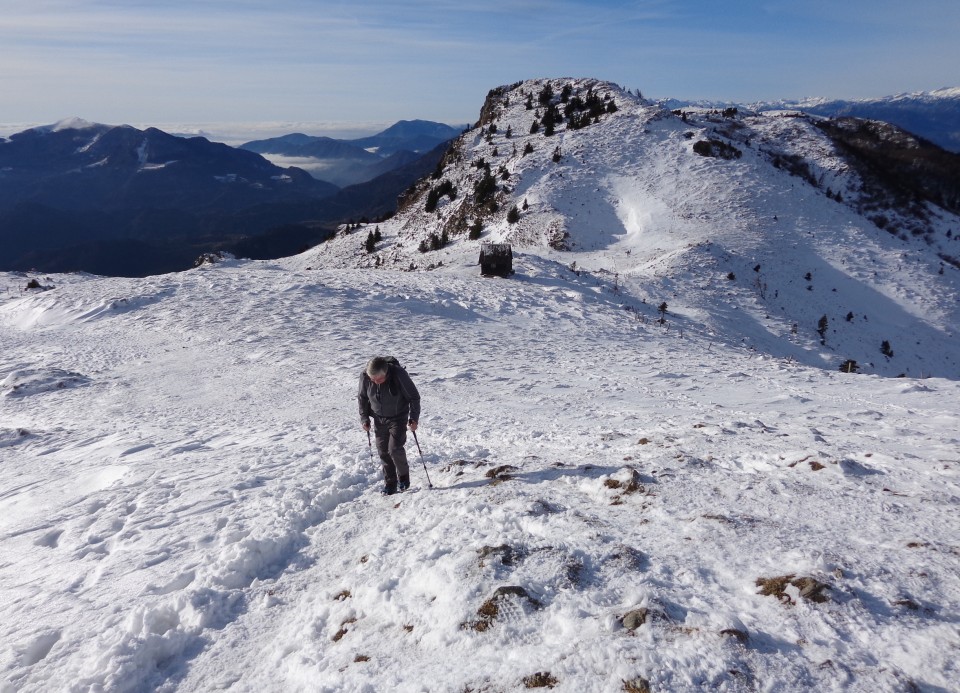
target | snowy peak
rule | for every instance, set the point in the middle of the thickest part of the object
(74, 124)
(782, 217)
(933, 115)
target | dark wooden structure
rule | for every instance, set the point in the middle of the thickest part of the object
(496, 259)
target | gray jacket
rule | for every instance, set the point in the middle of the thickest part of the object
(396, 398)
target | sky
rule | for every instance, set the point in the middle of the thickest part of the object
(353, 66)
(188, 501)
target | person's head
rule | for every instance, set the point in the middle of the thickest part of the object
(377, 370)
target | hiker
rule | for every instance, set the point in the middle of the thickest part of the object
(388, 395)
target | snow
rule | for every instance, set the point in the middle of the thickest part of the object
(187, 501)
(73, 123)
(157, 166)
(142, 153)
(199, 511)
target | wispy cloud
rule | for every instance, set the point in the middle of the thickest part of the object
(332, 59)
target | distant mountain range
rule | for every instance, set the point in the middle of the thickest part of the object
(348, 162)
(933, 115)
(123, 201)
(87, 196)
(82, 166)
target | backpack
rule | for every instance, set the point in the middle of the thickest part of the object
(392, 383)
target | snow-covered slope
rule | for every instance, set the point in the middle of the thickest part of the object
(187, 501)
(934, 115)
(755, 249)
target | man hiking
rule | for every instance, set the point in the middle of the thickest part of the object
(388, 395)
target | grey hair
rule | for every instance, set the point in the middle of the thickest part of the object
(377, 366)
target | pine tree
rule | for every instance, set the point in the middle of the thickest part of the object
(546, 94)
(485, 187)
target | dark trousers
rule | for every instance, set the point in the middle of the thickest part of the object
(391, 436)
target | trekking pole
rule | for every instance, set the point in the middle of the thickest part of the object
(369, 446)
(429, 484)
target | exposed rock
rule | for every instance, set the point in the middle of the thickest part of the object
(507, 554)
(635, 618)
(740, 635)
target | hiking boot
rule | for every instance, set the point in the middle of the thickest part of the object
(403, 485)
(389, 488)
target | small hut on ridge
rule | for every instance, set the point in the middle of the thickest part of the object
(496, 260)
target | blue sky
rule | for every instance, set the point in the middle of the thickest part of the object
(338, 62)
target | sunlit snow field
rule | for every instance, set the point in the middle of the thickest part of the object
(187, 501)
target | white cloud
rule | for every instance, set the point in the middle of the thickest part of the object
(436, 59)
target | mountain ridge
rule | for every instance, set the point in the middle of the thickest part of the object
(933, 115)
(695, 209)
(350, 161)
(71, 189)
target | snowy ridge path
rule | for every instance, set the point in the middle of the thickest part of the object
(201, 513)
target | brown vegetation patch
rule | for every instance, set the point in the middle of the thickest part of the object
(501, 473)
(489, 611)
(634, 485)
(507, 554)
(810, 588)
(343, 629)
(542, 679)
(636, 685)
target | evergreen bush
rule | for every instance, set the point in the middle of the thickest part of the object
(546, 94)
